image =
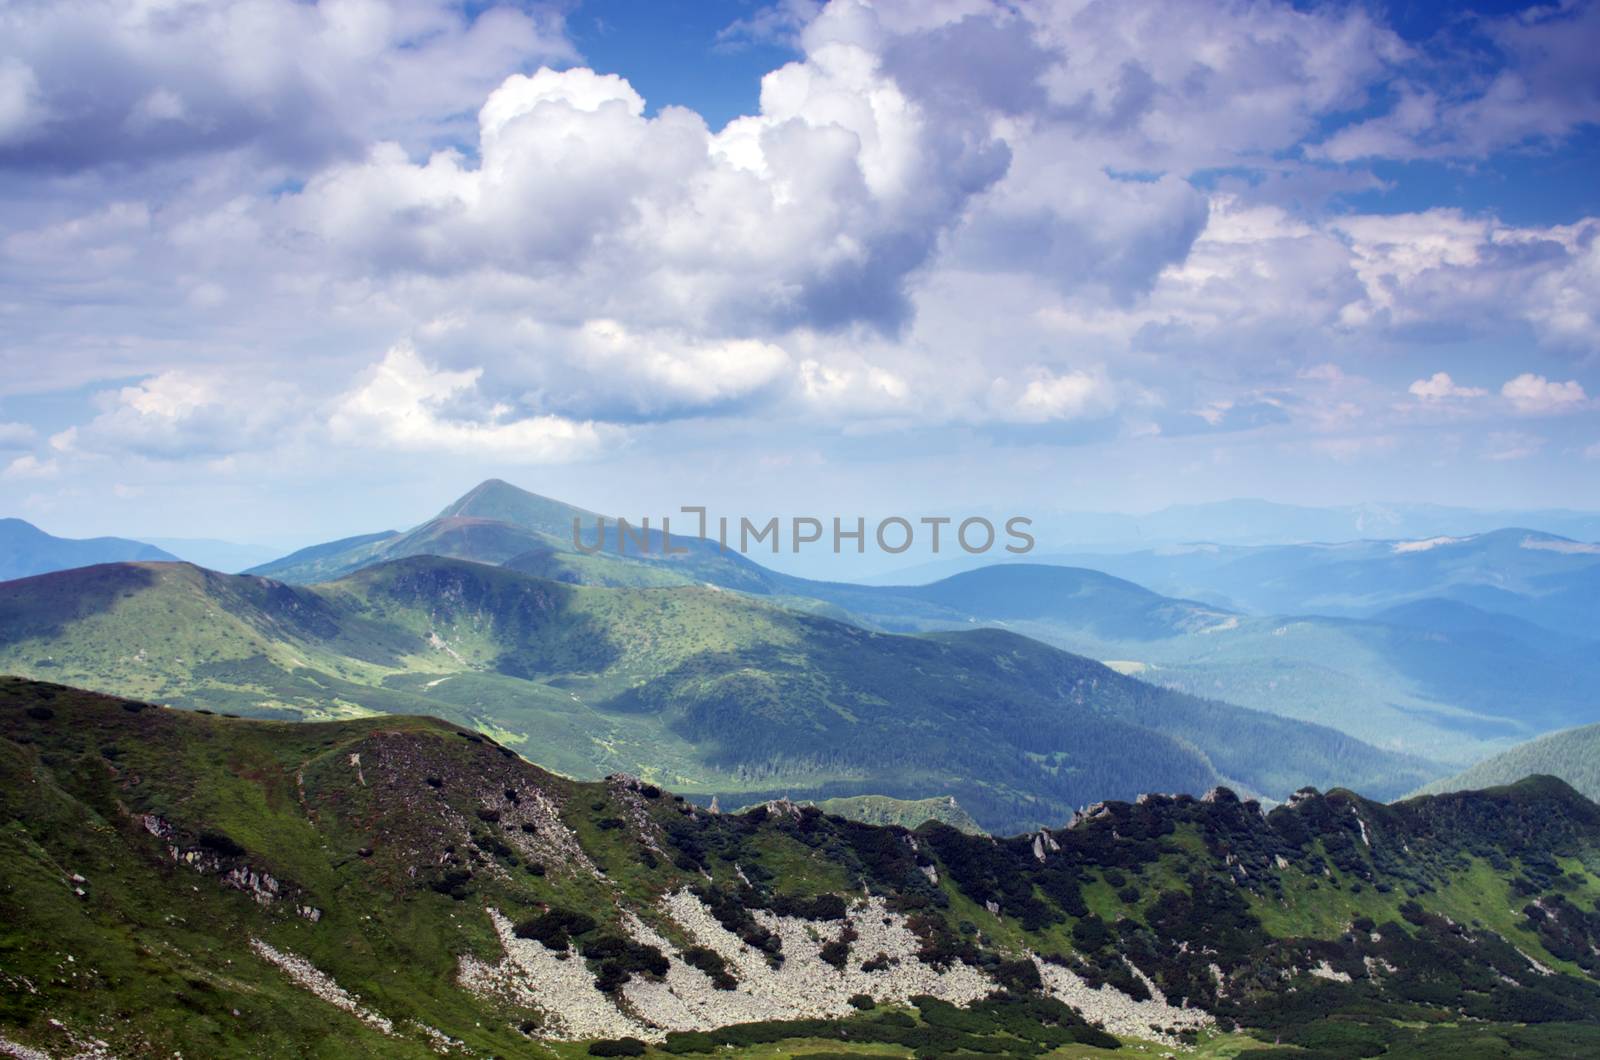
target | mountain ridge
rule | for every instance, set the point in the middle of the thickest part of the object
(717, 693)
(27, 550)
(403, 886)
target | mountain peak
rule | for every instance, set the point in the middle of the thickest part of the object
(501, 501)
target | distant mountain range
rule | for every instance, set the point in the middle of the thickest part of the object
(173, 883)
(1258, 522)
(1447, 648)
(709, 691)
(25, 550)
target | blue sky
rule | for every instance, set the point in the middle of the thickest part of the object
(280, 270)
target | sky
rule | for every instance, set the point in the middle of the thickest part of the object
(281, 270)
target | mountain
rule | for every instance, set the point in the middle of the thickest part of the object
(495, 522)
(1395, 678)
(25, 550)
(709, 691)
(906, 813)
(1573, 755)
(1538, 577)
(1259, 522)
(175, 882)
(1435, 678)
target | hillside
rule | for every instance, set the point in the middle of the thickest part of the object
(1417, 674)
(178, 882)
(1573, 755)
(907, 813)
(26, 550)
(495, 522)
(1439, 679)
(707, 691)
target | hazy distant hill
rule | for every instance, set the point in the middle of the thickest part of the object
(1572, 755)
(707, 690)
(227, 556)
(25, 550)
(1538, 577)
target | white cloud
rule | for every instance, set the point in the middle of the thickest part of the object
(672, 371)
(932, 198)
(20, 110)
(403, 403)
(16, 435)
(1058, 396)
(812, 212)
(1440, 387)
(180, 414)
(1535, 395)
(1592, 452)
(29, 466)
(853, 386)
(1542, 91)
(87, 82)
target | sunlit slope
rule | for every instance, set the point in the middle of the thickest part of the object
(701, 688)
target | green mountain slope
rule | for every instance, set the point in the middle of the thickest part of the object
(907, 813)
(1429, 675)
(1442, 680)
(1573, 755)
(27, 550)
(174, 882)
(708, 691)
(495, 522)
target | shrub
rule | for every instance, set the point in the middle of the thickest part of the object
(617, 1047)
(710, 962)
(221, 844)
(556, 927)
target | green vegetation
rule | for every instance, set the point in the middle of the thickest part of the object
(709, 692)
(155, 864)
(1573, 755)
(907, 813)
(1447, 652)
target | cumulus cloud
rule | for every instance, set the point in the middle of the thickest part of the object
(181, 414)
(852, 386)
(87, 82)
(1535, 395)
(29, 466)
(1540, 91)
(812, 212)
(939, 213)
(1049, 396)
(671, 372)
(404, 403)
(1440, 387)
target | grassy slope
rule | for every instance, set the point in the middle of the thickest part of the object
(1572, 755)
(907, 813)
(160, 961)
(1450, 695)
(699, 688)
